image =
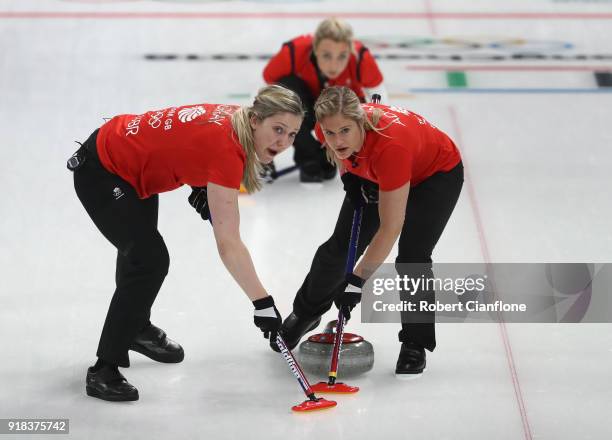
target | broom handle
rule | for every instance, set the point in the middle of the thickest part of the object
(295, 367)
(350, 264)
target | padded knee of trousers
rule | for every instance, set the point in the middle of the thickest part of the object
(151, 254)
(417, 258)
(333, 248)
(417, 262)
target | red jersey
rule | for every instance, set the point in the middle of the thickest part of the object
(161, 150)
(410, 149)
(296, 57)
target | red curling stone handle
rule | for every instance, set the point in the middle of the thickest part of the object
(328, 338)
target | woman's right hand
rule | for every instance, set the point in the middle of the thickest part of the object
(199, 201)
(359, 191)
(266, 317)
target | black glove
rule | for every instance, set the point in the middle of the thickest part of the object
(268, 172)
(266, 317)
(351, 296)
(199, 200)
(359, 191)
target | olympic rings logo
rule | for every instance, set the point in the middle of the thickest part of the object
(470, 44)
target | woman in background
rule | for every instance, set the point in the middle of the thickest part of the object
(310, 63)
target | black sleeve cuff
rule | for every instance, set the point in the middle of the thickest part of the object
(264, 303)
(354, 280)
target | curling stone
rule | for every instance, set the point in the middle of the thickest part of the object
(356, 354)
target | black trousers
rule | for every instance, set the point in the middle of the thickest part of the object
(308, 151)
(430, 205)
(130, 224)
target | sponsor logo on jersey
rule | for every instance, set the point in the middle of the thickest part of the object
(190, 113)
(118, 193)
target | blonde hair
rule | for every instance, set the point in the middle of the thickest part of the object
(270, 100)
(342, 100)
(333, 29)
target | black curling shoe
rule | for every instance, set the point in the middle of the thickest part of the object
(411, 359)
(328, 171)
(108, 383)
(293, 328)
(310, 172)
(309, 176)
(153, 343)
